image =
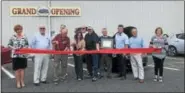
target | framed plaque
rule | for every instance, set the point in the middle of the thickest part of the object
(106, 43)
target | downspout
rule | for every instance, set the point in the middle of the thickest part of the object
(49, 18)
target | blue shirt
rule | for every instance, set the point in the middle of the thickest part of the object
(136, 42)
(121, 40)
(41, 42)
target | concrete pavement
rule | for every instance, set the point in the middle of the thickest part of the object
(173, 80)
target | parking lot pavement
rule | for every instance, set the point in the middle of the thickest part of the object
(173, 81)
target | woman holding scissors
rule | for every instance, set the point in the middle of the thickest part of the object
(19, 63)
(79, 45)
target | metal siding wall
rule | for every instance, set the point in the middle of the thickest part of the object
(98, 14)
(30, 24)
(0, 23)
(145, 15)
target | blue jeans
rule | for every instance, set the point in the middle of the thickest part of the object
(95, 65)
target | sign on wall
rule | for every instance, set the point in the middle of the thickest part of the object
(45, 11)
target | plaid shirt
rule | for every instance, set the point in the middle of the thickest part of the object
(63, 42)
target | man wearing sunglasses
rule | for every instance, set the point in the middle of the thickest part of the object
(41, 61)
(92, 43)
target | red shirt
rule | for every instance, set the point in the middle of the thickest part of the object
(63, 42)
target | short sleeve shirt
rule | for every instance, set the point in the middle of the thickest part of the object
(121, 40)
(18, 43)
(136, 42)
(91, 40)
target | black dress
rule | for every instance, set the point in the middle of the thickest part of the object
(19, 63)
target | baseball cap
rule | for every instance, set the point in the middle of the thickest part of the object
(41, 25)
(89, 27)
(63, 26)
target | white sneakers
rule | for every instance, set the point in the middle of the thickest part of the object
(155, 78)
(160, 79)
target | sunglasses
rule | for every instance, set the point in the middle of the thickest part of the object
(42, 28)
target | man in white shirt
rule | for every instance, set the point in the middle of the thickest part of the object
(41, 61)
(121, 42)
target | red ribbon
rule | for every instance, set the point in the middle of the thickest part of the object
(102, 51)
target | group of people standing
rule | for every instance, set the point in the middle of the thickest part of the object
(85, 39)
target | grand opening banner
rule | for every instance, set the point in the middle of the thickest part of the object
(45, 11)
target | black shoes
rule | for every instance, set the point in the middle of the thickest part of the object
(109, 77)
(37, 84)
(44, 82)
(100, 76)
(136, 78)
(88, 76)
(123, 78)
(118, 76)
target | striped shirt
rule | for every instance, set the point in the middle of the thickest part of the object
(159, 42)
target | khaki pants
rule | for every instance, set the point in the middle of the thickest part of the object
(60, 66)
(41, 63)
(106, 60)
(137, 66)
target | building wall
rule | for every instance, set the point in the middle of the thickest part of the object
(0, 22)
(145, 15)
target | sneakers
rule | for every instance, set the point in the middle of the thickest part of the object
(94, 79)
(79, 79)
(56, 82)
(64, 77)
(160, 79)
(155, 78)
